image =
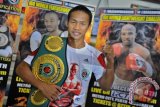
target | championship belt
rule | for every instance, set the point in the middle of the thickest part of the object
(4, 36)
(50, 66)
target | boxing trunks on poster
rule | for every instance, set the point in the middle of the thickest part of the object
(50, 66)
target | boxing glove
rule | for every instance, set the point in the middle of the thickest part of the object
(117, 49)
(135, 62)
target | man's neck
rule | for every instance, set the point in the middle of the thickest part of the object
(76, 43)
(56, 33)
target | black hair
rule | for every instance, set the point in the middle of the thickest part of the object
(81, 8)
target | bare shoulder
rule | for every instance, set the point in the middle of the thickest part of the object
(143, 51)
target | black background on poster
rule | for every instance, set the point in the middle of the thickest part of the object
(13, 93)
(3, 82)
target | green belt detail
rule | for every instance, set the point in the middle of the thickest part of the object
(50, 66)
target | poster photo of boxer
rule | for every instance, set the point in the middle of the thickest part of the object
(134, 39)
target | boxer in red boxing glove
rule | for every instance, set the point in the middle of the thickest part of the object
(135, 62)
(132, 60)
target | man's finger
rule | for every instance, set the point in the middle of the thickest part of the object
(58, 88)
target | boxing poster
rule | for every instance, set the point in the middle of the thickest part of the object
(36, 16)
(134, 37)
(4, 71)
(9, 20)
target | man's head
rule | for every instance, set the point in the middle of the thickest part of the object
(83, 9)
(51, 21)
(128, 35)
(79, 20)
(74, 68)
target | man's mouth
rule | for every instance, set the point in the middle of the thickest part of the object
(76, 33)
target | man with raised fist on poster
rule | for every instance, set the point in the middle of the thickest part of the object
(132, 60)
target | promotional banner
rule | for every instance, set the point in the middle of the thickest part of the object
(9, 20)
(134, 37)
(4, 71)
(40, 18)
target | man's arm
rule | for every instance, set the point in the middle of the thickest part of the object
(107, 79)
(149, 60)
(50, 91)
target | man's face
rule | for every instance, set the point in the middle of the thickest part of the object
(78, 25)
(74, 69)
(51, 22)
(128, 34)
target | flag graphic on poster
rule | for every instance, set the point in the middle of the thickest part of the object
(134, 37)
(34, 27)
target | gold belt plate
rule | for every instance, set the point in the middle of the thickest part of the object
(48, 68)
(54, 43)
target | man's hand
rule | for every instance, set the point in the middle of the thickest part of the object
(109, 53)
(107, 79)
(50, 91)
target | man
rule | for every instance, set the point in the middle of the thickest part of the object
(84, 57)
(70, 88)
(132, 59)
(51, 22)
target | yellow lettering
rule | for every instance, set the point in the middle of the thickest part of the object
(3, 73)
(114, 17)
(31, 3)
(19, 79)
(49, 7)
(106, 92)
(42, 5)
(105, 17)
(137, 18)
(153, 101)
(125, 18)
(102, 102)
(123, 105)
(12, 8)
(59, 9)
(24, 90)
(153, 18)
(5, 59)
(96, 90)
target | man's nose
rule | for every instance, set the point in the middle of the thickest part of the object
(77, 26)
(126, 36)
(47, 24)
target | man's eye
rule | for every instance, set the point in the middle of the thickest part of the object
(130, 33)
(123, 34)
(83, 23)
(73, 22)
